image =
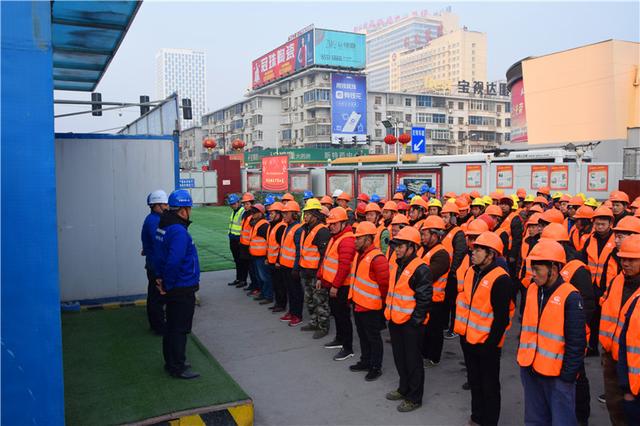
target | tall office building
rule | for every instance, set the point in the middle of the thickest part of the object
(407, 33)
(183, 71)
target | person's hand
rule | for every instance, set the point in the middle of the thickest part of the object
(333, 292)
(142, 252)
(629, 397)
(159, 286)
(318, 285)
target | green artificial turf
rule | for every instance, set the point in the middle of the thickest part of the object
(113, 371)
(210, 231)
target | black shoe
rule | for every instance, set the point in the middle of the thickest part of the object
(187, 365)
(186, 374)
(320, 334)
(343, 354)
(235, 282)
(241, 284)
(277, 309)
(466, 386)
(359, 366)
(373, 374)
(265, 302)
(334, 344)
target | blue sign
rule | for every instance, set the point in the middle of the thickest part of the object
(418, 140)
(348, 108)
(187, 183)
(340, 49)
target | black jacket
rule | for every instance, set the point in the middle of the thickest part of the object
(460, 250)
(421, 282)
(517, 229)
(582, 281)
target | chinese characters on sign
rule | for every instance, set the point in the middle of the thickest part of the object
(504, 177)
(292, 56)
(275, 173)
(348, 108)
(490, 88)
(474, 176)
(539, 176)
(559, 178)
(598, 178)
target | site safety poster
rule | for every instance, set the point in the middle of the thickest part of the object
(504, 177)
(539, 176)
(559, 178)
(299, 182)
(474, 176)
(342, 181)
(374, 184)
(275, 173)
(597, 178)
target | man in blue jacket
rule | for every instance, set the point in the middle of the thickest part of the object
(178, 273)
(157, 202)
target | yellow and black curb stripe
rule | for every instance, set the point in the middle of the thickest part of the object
(239, 413)
(113, 305)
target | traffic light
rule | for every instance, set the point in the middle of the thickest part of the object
(354, 139)
(368, 138)
(187, 113)
(96, 109)
(341, 140)
(144, 108)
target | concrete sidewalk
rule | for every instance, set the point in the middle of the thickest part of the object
(293, 380)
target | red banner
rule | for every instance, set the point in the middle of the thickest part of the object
(518, 113)
(292, 56)
(275, 173)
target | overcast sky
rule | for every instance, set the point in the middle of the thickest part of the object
(232, 34)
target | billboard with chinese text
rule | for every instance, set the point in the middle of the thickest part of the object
(292, 56)
(518, 113)
(348, 108)
(340, 49)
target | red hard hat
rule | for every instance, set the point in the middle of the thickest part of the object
(361, 208)
(402, 206)
(259, 207)
(363, 197)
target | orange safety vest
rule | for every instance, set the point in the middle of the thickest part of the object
(273, 245)
(257, 244)
(474, 314)
(542, 337)
(363, 290)
(441, 283)
(596, 262)
(377, 239)
(245, 234)
(526, 273)
(288, 247)
(330, 262)
(447, 241)
(400, 301)
(567, 274)
(612, 318)
(576, 239)
(505, 226)
(633, 350)
(462, 271)
(309, 254)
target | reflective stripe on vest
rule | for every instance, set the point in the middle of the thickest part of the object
(288, 247)
(309, 254)
(363, 290)
(245, 233)
(597, 261)
(462, 271)
(447, 241)
(440, 284)
(633, 350)
(257, 244)
(235, 222)
(330, 262)
(400, 301)
(542, 337)
(273, 247)
(613, 313)
(474, 313)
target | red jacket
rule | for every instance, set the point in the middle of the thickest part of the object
(378, 272)
(346, 253)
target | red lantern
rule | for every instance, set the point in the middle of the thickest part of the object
(390, 140)
(404, 138)
(238, 144)
(209, 143)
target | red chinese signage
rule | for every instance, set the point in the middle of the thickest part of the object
(275, 173)
(518, 113)
(292, 56)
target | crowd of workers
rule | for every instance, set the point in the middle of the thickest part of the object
(466, 265)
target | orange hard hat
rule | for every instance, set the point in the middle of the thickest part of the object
(363, 197)
(418, 201)
(476, 227)
(637, 213)
(628, 224)
(344, 196)
(540, 199)
(400, 219)
(584, 212)
(410, 234)
(433, 222)
(619, 196)
(603, 212)
(489, 239)
(533, 220)
(576, 201)
(548, 250)
(451, 208)
(536, 209)
(247, 196)
(365, 228)
(325, 211)
(555, 231)
(287, 197)
(493, 210)
(630, 247)
(259, 207)
(276, 207)
(521, 193)
(291, 206)
(565, 198)
(373, 207)
(337, 214)
(450, 195)
(608, 203)
(544, 190)
(495, 195)
(361, 208)
(390, 205)
(552, 216)
(462, 204)
(326, 200)
(398, 196)
(636, 203)
(475, 194)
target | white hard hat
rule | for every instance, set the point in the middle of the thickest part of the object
(157, 197)
(337, 192)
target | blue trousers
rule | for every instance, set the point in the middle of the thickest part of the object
(264, 273)
(548, 400)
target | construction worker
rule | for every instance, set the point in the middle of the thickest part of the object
(343, 201)
(369, 285)
(510, 231)
(363, 198)
(521, 193)
(158, 204)
(552, 340)
(246, 269)
(398, 222)
(402, 189)
(555, 199)
(235, 227)
(525, 273)
(335, 196)
(477, 207)
(628, 367)
(361, 213)
(482, 318)
(314, 239)
(634, 207)
(327, 202)
(437, 259)
(407, 305)
(306, 196)
(434, 207)
(403, 208)
(525, 205)
(619, 202)
(465, 215)
(597, 250)
(258, 251)
(417, 212)
(572, 207)
(288, 262)
(544, 192)
(389, 211)
(621, 292)
(398, 196)
(576, 273)
(374, 214)
(177, 278)
(268, 201)
(333, 275)
(287, 197)
(581, 231)
(276, 230)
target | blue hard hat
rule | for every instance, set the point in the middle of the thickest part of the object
(180, 198)
(401, 188)
(410, 197)
(269, 199)
(424, 189)
(232, 199)
(307, 195)
(432, 190)
(375, 198)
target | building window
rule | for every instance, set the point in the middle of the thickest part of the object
(461, 120)
(507, 122)
(499, 107)
(498, 122)
(407, 102)
(481, 121)
(390, 100)
(377, 100)
(440, 135)
(407, 118)
(378, 133)
(424, 101)
(450, 120)
(439, 118)
(507, 107)
(461, 105)
(378, 116)
(507, 137)
(450, 104)
(460, 136)
(285, 135)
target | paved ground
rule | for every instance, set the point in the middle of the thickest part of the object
(293, 380)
